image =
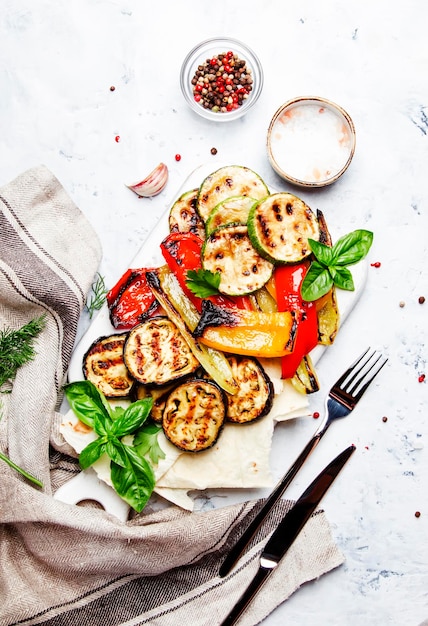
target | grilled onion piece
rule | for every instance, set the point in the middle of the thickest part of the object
(194, 415)
(255, 396)
(305, 380)
(103, 365)
(156, 353)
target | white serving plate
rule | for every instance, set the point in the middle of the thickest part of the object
(87, 485)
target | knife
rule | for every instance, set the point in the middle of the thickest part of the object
(287, 531)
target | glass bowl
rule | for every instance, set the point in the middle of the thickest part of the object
(202, 54)
(311, 141)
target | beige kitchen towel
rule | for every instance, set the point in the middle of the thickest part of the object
(73, 565)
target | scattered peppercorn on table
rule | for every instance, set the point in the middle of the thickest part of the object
(112, 113)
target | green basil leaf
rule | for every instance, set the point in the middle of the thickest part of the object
(352, 247)
(146, 442)
(134, 482)
(132, 418)
(203, 283)
(322, 252)
(101, 425)
(117, 451)
(86, 401)
(317, 282)
(91, 453)
(343, 278)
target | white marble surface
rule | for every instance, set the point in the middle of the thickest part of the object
(57, 62)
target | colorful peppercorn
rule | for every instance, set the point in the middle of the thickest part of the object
(222, 83)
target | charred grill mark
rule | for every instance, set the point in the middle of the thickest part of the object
(289, 208)
(276, 210)
(213, 315)
(229, 182)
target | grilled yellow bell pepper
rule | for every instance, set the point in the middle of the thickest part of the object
(251, 333)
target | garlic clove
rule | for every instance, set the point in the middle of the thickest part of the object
(152, 184)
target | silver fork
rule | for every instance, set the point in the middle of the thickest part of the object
(342, 398)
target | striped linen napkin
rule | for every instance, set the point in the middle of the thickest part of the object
(64, 564)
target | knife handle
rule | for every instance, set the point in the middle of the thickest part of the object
(268, 505)
(247, 596)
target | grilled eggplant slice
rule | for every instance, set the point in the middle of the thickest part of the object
(232, 180)
(156, 353)
(194, 415)
(279, 228)
(183, 217)
(256, 392)
(159, 396)
(229, 252)
(103, 365)
(231, 211)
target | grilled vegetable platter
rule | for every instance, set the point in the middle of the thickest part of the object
(206, 341)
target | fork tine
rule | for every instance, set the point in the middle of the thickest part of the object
(358, 371)
(350, 369)
(375, 372)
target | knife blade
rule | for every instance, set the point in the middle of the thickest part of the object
(288, 530)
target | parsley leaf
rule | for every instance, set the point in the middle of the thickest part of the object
(146, 442)
(203, 283)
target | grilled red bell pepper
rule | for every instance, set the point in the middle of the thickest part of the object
(288, 280)
(131, 300)
(182, 252)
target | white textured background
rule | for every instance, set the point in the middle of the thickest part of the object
(58, 60)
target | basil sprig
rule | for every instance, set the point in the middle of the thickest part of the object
(330, 265)
(131, 472)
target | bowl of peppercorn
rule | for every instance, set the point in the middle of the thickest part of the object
(221, 79)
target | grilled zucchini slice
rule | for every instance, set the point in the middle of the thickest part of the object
(156, 353)
(229, 251)
(103, 365)
(232, 180)
(279, 228)
(194, 415)
(183, 217)
(231, 211)
(256, 392)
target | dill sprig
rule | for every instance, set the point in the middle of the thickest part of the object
(98, 295)
(17, 347)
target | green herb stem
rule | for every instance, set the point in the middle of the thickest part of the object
(99, 292)
(21, 471)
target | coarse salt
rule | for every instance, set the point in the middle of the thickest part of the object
(311, 142)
